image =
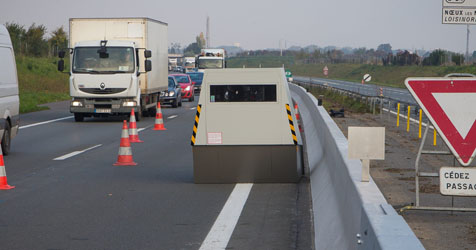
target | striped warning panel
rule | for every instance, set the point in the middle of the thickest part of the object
(195, 126)
(291, 124)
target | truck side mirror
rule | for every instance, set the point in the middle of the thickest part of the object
(61, 65)
(61, 54)
(148, 65)
(147, 53)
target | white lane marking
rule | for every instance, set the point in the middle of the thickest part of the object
(142, 129)
(224, 225)
(66, 156)
(172, 116)
(45, 122)
(193, 108)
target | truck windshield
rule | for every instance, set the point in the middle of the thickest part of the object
(115, 60)
(210, 63)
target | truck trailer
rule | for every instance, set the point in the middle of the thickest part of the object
(111, 66)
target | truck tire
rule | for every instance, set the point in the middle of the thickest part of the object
(152, 111)
(193, 98)
(6, 139)
(139, 114)
(78, 117)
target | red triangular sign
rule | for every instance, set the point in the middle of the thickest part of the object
(450, 104)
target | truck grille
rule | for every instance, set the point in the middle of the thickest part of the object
(102, 92)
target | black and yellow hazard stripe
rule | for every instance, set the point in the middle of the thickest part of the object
(291, 124)
(195, 126)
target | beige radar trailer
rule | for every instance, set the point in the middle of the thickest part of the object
(245, 128)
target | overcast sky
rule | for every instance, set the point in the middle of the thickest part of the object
(258, 24)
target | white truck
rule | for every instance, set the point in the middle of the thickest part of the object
(111, 66)
(211, 59)
(188, 64)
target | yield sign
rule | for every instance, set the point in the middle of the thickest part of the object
(450, 104)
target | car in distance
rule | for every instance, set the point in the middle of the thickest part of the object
(187, 86)
(173, 95)
(197, 78)
(9, 100)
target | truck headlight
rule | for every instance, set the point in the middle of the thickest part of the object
(76, 104)
(187, 88)
(129, 104)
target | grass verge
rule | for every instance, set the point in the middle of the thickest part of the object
(40, 83)
(334, 100)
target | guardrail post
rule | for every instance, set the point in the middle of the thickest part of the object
(419, 126)
(398, 114)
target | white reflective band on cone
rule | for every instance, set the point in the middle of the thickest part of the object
(125, 151)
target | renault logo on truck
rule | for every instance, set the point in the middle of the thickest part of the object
(102, 86)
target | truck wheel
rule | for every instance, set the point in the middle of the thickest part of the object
(180, 103)
(78, 117)
(139, 114)
(152, 111)
(193, 97)
(6, 139)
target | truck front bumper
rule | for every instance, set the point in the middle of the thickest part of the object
(102, 107)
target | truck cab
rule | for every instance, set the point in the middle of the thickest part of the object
(211, 59)
(105, 78)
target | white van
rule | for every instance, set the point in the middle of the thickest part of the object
(9, 100)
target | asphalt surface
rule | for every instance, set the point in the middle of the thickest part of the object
(84, 202)
(366, 89)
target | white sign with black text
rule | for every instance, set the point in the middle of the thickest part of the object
(459, 12)
(458, 181)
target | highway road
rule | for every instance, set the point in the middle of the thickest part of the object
(396, 94)
(81, 201)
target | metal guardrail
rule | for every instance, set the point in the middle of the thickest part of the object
(348, 214)
(384, 101)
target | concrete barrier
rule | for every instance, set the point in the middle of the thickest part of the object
(348, 213)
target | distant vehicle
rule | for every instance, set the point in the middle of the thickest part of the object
(173, 95)
(197, 78)
(179, 69)
(188, 64)
(9, 100)
(187, 86)
(211, 59)
(111, 66)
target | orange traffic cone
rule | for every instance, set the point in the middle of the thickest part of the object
(298, 117)
(159, 121)
(125, 152)
(3, 174)
(133, 134)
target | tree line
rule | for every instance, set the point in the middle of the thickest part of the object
(383, 55)
(35, 40)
